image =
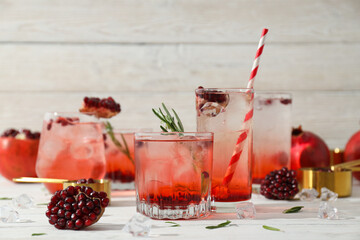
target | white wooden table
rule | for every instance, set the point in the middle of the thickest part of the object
(303, 225)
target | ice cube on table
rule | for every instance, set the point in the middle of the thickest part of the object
(8, 214)
(308, 194)
(328, 195)
(245, 210)
(23, 201)
(327, 211)
(138, 225)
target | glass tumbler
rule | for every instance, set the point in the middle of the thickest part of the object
(172, 176)
(272, 133)
(228, 114)
(71, 147)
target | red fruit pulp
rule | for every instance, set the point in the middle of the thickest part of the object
(352, 151)
(18, 157)
(308, 150)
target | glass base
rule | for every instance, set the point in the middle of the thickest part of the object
(116, 185)
(224, 207)
(192, 211)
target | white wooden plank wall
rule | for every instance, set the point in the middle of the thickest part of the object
(143, 52)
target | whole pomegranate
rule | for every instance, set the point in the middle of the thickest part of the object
(308, 150)
(352, 151)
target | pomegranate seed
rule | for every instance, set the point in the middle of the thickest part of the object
(61, 222)
(97, 210)
(88, 190)
(60, 203)
(70, 224)
(69, 199)
(61, 213)
(71, 190)
(105, 202)
(90, 205)
(54, 210)
(54, 218)
(85, 210)
(102, 195)
(79, 223)
(88, 222)
(94, 195)
(81, 204)
(73, 216)
(68, 215)
(50, 205)
(92, 216)
(48, 213)
(78, 212)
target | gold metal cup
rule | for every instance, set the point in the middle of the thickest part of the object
(339, 182)
(101, 185)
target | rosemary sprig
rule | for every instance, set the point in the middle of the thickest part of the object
(5, 198)
(174, 224)
(271, 228)
(124, 149)
(168, 120)
(221, 225)
(38, 234)
(293, 209)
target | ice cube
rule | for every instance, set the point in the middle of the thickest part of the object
(327, 211)
(8, 214)
(212, 109)
(328, 195)
(308, 194)
(23, 201)
(138, 225)
(245, 210)
(82, 150)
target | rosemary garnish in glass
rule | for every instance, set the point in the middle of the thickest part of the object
(168, 120)
(123, 148)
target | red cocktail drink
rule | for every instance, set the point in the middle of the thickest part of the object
(173, 172)
(120, 165)
(71, 147)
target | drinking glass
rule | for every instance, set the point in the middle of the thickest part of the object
(227, 113)
(71, 147)
(119, 154)
(272, 133)
(172, 174)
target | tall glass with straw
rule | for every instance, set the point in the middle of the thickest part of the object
(228, 113)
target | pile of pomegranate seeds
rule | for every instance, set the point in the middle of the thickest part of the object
(280, 184)
(76, 207)
(85, 181)
(102, 108)
(25, 132)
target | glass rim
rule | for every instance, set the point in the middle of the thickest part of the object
(131, 130)
(165, 134)
(276, 93)
(225, 90)
(69, 112)
(83, 117)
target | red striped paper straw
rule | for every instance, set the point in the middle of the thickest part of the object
(246, 123)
